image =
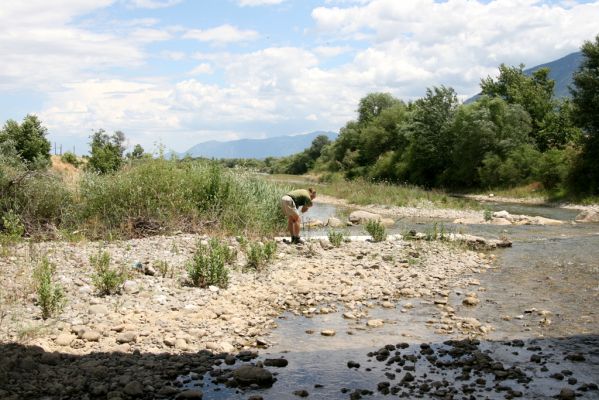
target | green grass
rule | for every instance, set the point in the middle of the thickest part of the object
(50, 296)
(259, 254)
(107, 280)
(336, 237)
(376, 230)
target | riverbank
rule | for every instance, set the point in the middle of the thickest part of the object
(161, 315)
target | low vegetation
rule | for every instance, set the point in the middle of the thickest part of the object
(208, 266)
(50, 295)
(336, 237)
(106, 279)
(376, 230)
(259, 254)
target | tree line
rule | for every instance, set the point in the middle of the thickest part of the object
(515, 132)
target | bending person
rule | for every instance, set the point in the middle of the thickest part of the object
(291, 203)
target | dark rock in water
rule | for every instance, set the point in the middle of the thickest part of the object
(407, 378)
(572, 381)
(575, 357)
(383, 385)
(318, 386)
(247, 375)
(190, 394)
(557, 376)
(566, 394)
(301, 393)
(134, 389)
(230, 360)
(255, 397)
(276, 362)
(353, 364)
(535, 358)
(403, 345)
(247, 355)
(517, 343)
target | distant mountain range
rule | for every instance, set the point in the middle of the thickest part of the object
(279, 146)
(560, 70)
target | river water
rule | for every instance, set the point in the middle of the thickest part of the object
(553, 268)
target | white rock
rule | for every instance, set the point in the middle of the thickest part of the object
(375, 323)
(130, 287)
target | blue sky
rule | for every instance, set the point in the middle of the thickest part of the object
(179, 72)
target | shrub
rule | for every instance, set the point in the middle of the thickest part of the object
(488, 214)
(208, 265)
(12, 225)
(336, 238)
(70, 158)
(106, 279)
(50, 296)
(376, 230)
(260, 254)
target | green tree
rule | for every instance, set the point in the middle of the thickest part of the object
(585, 98)
(106, 151)
(534, 93)
(373, 104)
(28, 140)
(431, 139)
(137, 152)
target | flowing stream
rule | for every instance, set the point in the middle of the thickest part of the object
(554, 268)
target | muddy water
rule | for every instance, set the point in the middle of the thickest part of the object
(549, 268)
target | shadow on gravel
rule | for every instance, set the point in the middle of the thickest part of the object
(563, 368)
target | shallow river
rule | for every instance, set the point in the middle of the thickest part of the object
(554, 268)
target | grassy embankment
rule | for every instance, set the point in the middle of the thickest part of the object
(363, 192)
(145, 198)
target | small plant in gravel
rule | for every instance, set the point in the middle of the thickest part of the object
(260, 254)
(488, 215)
(336, 237)
(50, 295)
(107, 280)
(163, 268)
(376, 230)
(209, 264)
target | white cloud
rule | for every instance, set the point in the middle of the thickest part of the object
(203, 68)
(331, 51)
(254, 3)
(153, 4)
(221, 35)
(173, 55)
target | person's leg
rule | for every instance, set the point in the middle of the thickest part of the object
(290, 226)
(296, 227)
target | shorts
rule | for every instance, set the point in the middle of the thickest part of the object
(288, 207)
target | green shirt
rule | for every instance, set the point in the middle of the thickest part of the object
(301, 197)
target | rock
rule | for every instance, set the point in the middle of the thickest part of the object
(349, 315)
(502, 214)
(388, 222)
(334, 222)
(301, 393)
(276, 362)
(90, 335)
(149, 270)
(247, 375)
(361, 217)
(85, 289)
(328, 332)
(65, 339)
(126, 337)
(134, 389)
(190, 394)
(566, 394)
(181, 344)
(375, 323)
(470, 301)
(130, 287)
(588, 216)
(500, 221)
(98, 309)
(314, 223)
(226, 347)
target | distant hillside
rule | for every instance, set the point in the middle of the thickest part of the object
(279, 146)
(561, 71)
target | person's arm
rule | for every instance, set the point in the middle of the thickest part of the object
(305, 208)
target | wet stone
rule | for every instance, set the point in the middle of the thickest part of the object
(301, 393)
(566, 394)
(276, 362)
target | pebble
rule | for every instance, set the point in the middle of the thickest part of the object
(328, 332)
(375, 323)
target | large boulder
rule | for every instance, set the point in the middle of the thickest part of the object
(248, 375)
(362, 217)
(588, 216)
(334, 222)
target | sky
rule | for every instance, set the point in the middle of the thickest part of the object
(175, 73)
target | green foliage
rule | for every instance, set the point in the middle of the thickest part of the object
(163, 268)
(518, 167)
(488, 214)
(554, 167)
(585, 174)
(373, 105)
(106, 152)
(437, 232)
(70, 158)
(28, 141)
(376, 230)
(50, 295)
(209, 264)
(336, 237)
(137, 153)
(107, 280)
(12, 226)
(260, 254)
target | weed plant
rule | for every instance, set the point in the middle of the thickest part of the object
(163, 268)
(488, 214)
(376, 230)
(260, 254)
(209, 264)
(336, 237)
(107, 280)
(50, 295)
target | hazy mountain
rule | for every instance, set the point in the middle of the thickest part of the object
(256, 148)
(560, 70)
